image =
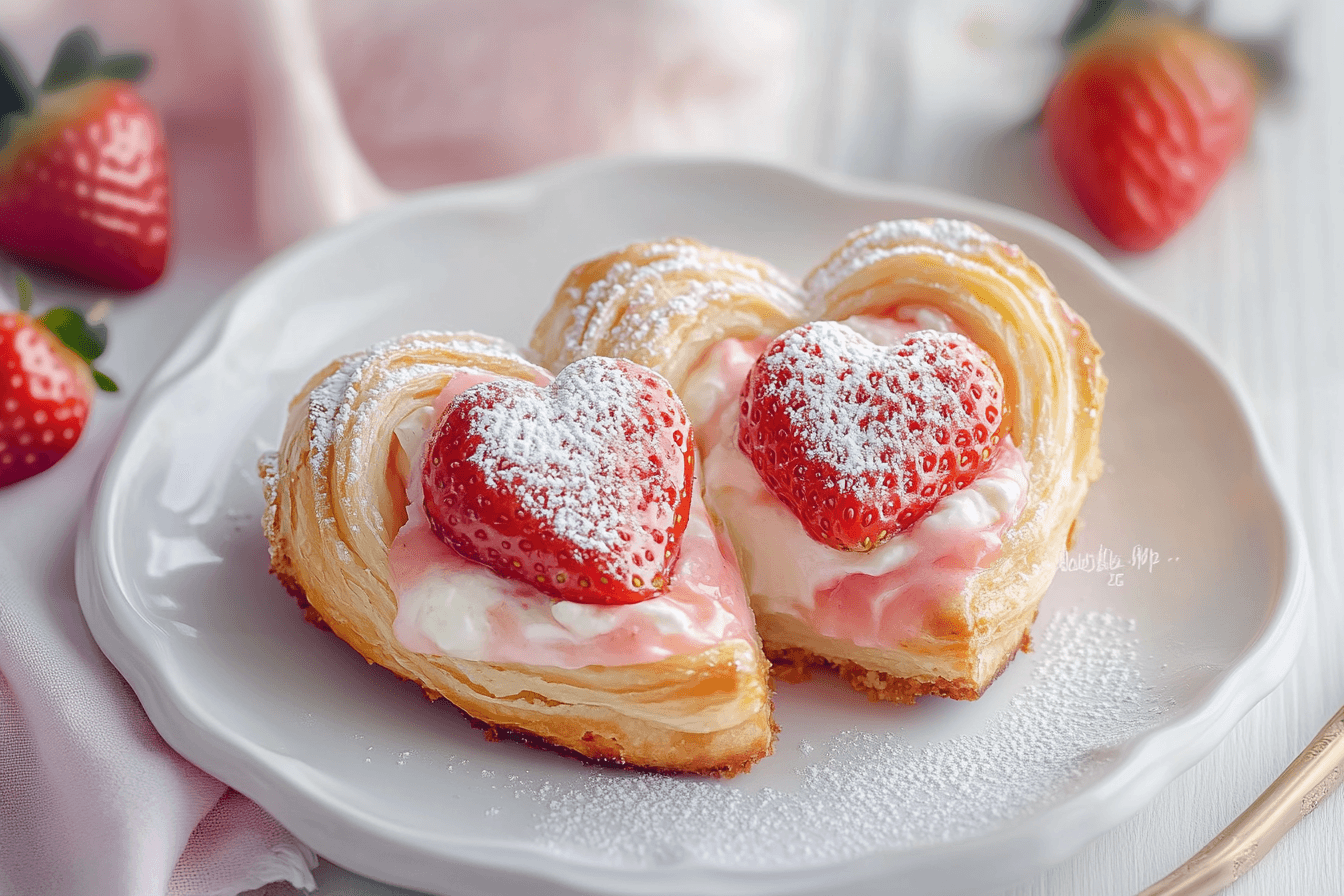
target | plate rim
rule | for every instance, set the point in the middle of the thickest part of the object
(1153, 758)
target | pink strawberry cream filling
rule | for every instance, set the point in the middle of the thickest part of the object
(452, 606)
(876, 598)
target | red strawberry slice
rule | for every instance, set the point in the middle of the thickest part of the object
(860, 440)
(581, 487)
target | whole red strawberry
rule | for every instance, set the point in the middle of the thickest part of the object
(581, 488)
(861, 440)
(83, 168)
(46, 383)
(1143, 122)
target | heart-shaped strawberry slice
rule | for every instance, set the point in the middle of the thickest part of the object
(860, 440)
(581, 487)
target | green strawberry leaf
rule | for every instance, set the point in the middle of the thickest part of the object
(104, 381)
(78, 58)
(124, 66)
(75, 59)
(84, 339)
(1094, 16)
(17, 96)
(88, 340)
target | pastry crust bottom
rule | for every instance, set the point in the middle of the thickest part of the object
(794, 664)
(603, 735)
(959, 668)
(733, 752)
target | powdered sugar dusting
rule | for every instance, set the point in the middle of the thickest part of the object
(568, 458)
(656, 311)
(331, 403)
(601, 310)
(952, 239)
(268, 467)
(864, 411)
(853, 793)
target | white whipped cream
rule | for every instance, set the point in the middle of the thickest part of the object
(452, 606)
(799, 567)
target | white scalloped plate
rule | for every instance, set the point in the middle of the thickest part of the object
(1182, 605)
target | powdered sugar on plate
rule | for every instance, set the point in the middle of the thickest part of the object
(861, 791)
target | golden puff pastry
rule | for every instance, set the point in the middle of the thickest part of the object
(661, 304)
(339, 493)
(916, 633)
(1054, 387)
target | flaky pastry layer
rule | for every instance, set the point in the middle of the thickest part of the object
(334, 502)
(662, 304)
(1054, 391)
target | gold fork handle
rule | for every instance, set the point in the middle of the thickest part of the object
(1314, 774)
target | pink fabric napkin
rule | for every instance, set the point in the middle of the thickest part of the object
(92, 801)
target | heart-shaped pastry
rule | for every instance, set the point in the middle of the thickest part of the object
(861, 440)
(675, 682)
(931, 595)
(581, 487)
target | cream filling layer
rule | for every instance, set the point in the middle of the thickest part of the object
(879, 598)
(448, 605)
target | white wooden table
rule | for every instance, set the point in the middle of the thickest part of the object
(1256, 277)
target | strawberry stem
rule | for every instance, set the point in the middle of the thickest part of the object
(124, 66)
(25, 289)
(84, 339)
(85, 336)
(77, 59)
(1269, 55)
(98, 311)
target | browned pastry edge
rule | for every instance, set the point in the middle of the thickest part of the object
(605, 751)
(622, 304)
(310, 614)
(604, 756)
(795, 664)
